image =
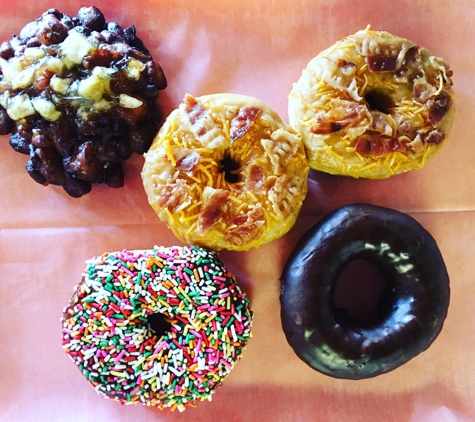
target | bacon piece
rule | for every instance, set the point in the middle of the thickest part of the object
(422, 90)
(378, 145)
(382, 63)
(408, 65)
(172, 196)
(325, 128)
(194, 109)
(338, 118)
(248, 227)
(411, 55)
(213, 201)
(202, 124)
(346, 68)
(438, 107)
(186, 160)
(243, 120)
(380, 123)
(434, 137)
(83, 162)
(256, 178)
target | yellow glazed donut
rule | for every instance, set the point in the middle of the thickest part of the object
(372, 105)
(225, 172)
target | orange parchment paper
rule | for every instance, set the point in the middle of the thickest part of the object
(257, 48)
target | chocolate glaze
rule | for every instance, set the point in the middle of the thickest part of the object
(410, 314)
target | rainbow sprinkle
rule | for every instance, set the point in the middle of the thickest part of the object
(107, 334)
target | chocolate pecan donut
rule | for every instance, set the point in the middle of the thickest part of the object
(225, 172)
(79, 96)
(410, 312)
(372, 105)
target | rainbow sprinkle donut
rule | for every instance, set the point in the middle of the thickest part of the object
(159, 327)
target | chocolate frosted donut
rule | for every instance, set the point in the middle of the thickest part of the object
(158, 327)
(411, 311)
(79, 96)
(372, 105)
(225, 172)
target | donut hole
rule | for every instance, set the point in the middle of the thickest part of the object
(361, 294)
(379, 100)
(229, 167)
(159, 324)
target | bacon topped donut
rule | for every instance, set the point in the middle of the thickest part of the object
(372, 105)
(225, 172)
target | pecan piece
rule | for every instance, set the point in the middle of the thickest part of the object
(51, 30)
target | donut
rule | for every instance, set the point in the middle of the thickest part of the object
(372, 105)
(159, 327)
(225, 172)
(410, 312)
(78, 95)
